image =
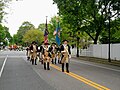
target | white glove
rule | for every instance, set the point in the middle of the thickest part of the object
(69, 56)
(43, 56)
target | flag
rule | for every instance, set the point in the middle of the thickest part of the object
(57, 39)
(57, 33)
(46, 33)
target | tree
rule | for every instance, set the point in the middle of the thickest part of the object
(88, 15)
(66, 33)
(15, 39)
(2, 33)
(41, 27)
(51, 29)
(3, 5)
(70, 11)
(23, 29)
(33, 35)
(114, 32)
(8, 37)
(5, 35)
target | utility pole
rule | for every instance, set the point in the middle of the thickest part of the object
(109, 14)
(78, 39)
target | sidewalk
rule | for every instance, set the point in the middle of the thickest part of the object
(99, 60)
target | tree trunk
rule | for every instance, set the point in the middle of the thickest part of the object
(97, 35)
(95, 41)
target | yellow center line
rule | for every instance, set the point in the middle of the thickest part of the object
(80, 78)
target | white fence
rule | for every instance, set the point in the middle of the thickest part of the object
(100, 51)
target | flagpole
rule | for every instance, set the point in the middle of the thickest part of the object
(46, 32)
(46, 19)
(46, 22)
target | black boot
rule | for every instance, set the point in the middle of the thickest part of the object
(52, 61)
(32, 61)
(62, 67)
(67, 67)
(48, 66)
(55, 60)
(41, 61)
(28, 58)
(35, 61)
(58, 61)
(44, 65)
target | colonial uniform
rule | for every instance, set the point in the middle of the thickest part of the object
(65, 50)
(41, 53)
(58, 56)
(28, 53)
(53, 51)
(30, 49)
(38, 53)
(33, 50)
(46, 56)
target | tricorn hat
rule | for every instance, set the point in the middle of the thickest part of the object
(65, 40)
(34, 42)
(46, 43)
(42, 42)
(53, 43)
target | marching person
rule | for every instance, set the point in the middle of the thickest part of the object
(38, 53)
(46, 56)
(33, 51)
(41, 52)
(66, 54)
(53, 50)
(58, 55)
(28, 53)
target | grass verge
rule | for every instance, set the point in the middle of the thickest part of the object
(100, 60)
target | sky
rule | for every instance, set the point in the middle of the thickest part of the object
(34, 11)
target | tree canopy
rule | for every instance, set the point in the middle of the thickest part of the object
(33, 35)
(4, 31)
(88, 15)
(5, 35)
(22, 30)
(80, 21)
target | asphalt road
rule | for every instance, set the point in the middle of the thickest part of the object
(16, 73)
